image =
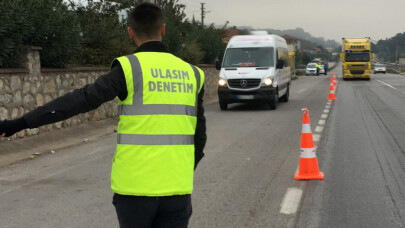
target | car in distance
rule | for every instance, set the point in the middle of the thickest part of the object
(380, 68)
(311, 69)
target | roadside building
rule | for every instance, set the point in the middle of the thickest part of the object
(310, 50)
(293, 43)
(231, 32)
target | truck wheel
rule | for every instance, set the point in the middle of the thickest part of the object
(286, 96)
(223, 106)
(273, 103)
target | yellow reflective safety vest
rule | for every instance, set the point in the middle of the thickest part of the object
(155, 148)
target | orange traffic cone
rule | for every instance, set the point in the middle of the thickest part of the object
(332, 96)
(308, 167)
(334, 74)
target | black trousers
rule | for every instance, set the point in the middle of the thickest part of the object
(153, 212)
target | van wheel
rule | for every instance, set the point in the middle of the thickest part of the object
(286, 96)
(273, 103)
(223, 106)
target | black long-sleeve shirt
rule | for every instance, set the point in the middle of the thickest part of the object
(106, 88)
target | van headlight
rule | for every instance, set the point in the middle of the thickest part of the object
(221, 82)
(268, 81)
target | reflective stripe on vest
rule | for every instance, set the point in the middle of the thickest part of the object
(139, 109)
(155, 151)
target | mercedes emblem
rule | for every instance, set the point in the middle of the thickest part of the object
(243, 83)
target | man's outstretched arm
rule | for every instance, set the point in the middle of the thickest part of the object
(90, 97)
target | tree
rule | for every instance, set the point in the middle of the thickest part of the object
(191, 52)
(46, 23)
(103, 31)
(210, 41)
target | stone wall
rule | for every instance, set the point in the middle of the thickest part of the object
(22, 90)
(211, 80)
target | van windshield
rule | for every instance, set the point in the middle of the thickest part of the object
(249, 57)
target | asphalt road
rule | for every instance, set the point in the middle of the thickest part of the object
(251, 157)
(363, 156)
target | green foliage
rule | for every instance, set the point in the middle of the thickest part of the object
(104, 33)
(191, 52)
(211, 43)
(388, 50)
(173, 37)
(94, 32)
(13, 21)
(173, 11)
(45, 23)
(180, 33)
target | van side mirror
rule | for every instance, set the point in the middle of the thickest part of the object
(280, 64)
(218, 64)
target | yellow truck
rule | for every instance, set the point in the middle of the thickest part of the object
(356, 58)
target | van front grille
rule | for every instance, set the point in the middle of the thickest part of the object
(244, 83)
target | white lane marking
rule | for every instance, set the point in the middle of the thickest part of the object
(392, 87)
(329, 102)
(291, 200)
(301, 90)
(316, 137)
(326, 111)
(319, 129)
(322, 122)
(324, 116)
(327, 106)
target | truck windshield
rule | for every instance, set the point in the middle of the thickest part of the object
(249, 57)
(357, 57)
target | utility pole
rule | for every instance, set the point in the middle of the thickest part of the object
(202, 14)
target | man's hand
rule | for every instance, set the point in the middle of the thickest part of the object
(10, 127)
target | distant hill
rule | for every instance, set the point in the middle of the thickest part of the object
(389, 50)
(299, 33)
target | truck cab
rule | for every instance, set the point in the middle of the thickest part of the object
(356, 57)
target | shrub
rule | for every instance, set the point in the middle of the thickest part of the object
(191, 52)
(45, 23)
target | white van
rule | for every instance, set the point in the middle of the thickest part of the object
(255, 68)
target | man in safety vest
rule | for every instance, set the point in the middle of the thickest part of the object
(318, 68)
(161, 131)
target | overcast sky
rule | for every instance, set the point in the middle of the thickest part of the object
(331, 19)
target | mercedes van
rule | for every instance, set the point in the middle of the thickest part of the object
(255, 69)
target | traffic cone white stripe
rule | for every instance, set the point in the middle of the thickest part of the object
(306, 128)
(308, 153)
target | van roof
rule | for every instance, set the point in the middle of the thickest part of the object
(256, 41)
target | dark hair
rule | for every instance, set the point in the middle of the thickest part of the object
(146, 20)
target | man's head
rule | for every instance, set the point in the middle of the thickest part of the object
(146, 23)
